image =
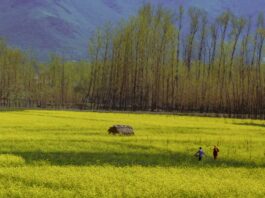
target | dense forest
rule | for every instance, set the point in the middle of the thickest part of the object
(152, 62)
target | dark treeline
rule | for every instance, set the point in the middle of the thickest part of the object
(152, 62)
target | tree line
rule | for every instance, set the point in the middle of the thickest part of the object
(25, 82)
(155, 61)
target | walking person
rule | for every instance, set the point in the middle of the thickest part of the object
(200, 153)
(215, 152)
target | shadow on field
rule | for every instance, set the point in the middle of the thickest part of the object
(250, 124)
(4, 109)
(125, 159)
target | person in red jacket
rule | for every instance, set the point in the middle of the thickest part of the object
(215, 152)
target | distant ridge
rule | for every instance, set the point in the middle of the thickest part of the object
(64, 26)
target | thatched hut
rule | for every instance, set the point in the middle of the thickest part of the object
(121, 130)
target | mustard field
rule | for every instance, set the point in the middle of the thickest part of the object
(70, 154)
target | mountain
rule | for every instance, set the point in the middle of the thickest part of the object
(64, 26)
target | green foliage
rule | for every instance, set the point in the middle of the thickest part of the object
(27, 83)
(155, 66)
(150, 62)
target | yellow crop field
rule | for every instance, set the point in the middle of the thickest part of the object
(70, 154)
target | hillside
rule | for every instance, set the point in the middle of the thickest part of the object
(64, 26)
